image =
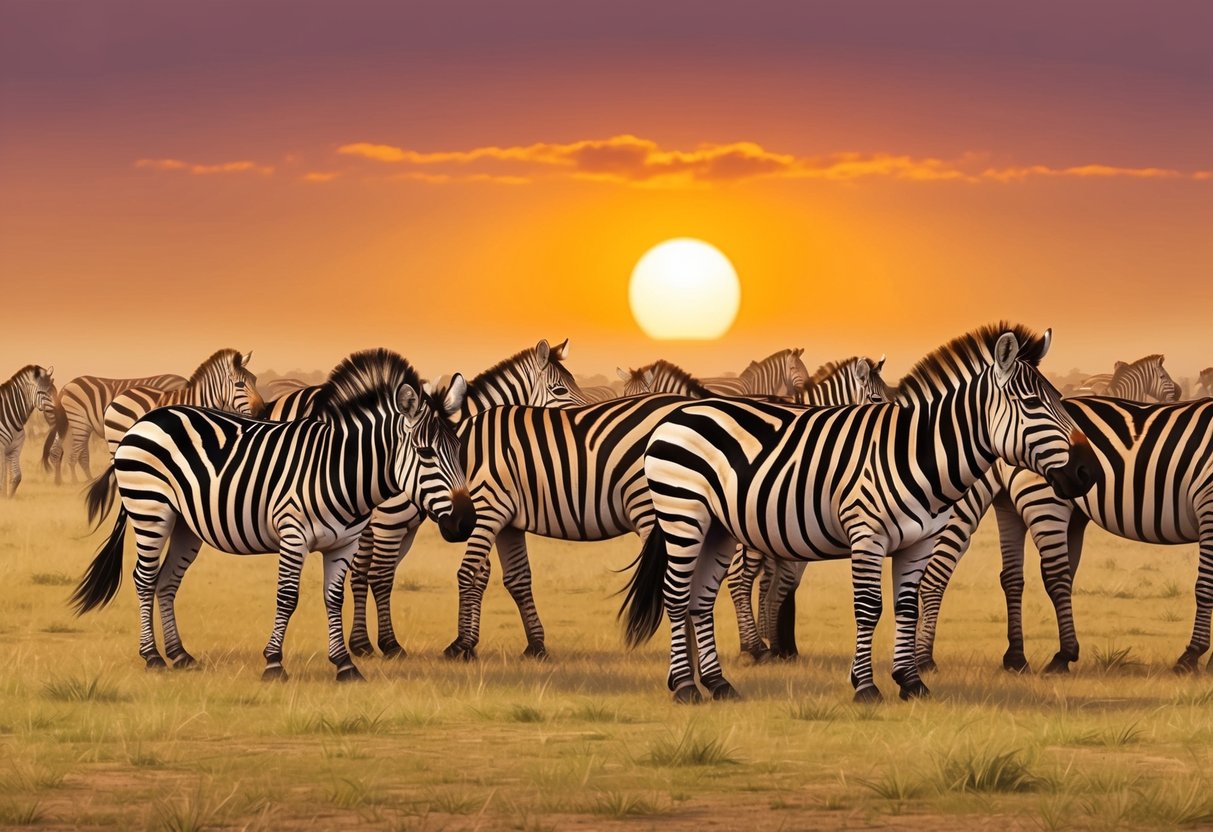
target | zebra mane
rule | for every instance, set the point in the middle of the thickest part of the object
(232, 357)
(828, 369)
(1123, 369)
(477, 384)
(755, 366)
(19, 376)
(693, 385)
(364, 379)
(976, 347)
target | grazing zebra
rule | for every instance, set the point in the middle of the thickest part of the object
(853, 381)
(662, 377)
(80, 412)
(1205, 382)
(1157, 487)
(1144, 379)
(534, 376)
(32, 387)
(864, 482)
(222, 382)
(780, 374)
(187, 475)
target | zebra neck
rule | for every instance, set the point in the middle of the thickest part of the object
(357, 465)
(949, 452)
(512, 384)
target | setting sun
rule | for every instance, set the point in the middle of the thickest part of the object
(684, 289)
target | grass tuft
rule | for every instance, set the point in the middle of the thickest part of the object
(623, 805)
(985, 770)
(21, 813)
(692, 749)
(51, 579)
(1113, 659)
(814, 711)
(76, 689)
(524, 713)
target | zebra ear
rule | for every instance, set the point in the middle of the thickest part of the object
(1045, 343)
(243, 360)
(456, 392)
(408, 400)
(863, 370)
(561, 350)
(879, 364)
(543, 352)
(623, 374)
(799, 351)
(50, 371)
(649, 376)
(1006, 350)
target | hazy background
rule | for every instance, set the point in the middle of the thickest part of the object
(455, 181)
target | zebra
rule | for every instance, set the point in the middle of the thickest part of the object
(79, 412)
(1157, 487)
(853, 381)
(662, 377)
(864, 481)
(187, 475)
(222, 382)
(1205, 383)
(279, 387)
(779, 374)
(31, 388)
(599, 393)
(536, 377)
(1144, 379)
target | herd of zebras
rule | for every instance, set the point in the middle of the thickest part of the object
(749, 477)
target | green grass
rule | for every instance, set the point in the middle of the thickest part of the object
(590, 738)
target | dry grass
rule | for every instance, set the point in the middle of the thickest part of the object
(590, 738)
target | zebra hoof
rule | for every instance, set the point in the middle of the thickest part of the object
(456, 650)
(361, 648)
(349, 673)
(927, 665)
(156, 663)
(724, 692)
(393, 651)
(785, 654)
(868, 695)
(759, 654)
(688, 695)
(274, 673)
(1058, 664)
(535, 650)
(1189, 662)
(914, 690)
(1016, 663)
(185, 662)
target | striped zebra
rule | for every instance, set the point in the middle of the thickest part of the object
(1204, 384)
(276, 388)
(535, 377)
(662, 377)
(864, 482)
(599, 393)
(779, 374)
(222, 382)
(80, 413)
(188, 476)
(1142, 380)
(853, 381)
(31, 388)
(1157, 487)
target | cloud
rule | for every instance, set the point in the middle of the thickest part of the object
(320, 176)
(242, 166)
(631, 160)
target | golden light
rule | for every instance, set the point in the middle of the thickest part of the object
(684, 289)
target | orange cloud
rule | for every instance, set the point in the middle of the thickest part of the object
(243, 166)
(628, 159)
(320, 176)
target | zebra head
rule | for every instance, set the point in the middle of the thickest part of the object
(551, 385)
(1206, 381)
(636, 382)
(1159, 383)
(244, 395)
(796, 374)
(428, 464)
(853, 381)
(44, 391)
(1027, 421)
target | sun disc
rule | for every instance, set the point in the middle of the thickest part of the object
(684, 289)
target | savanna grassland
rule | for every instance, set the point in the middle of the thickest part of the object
(590, 738)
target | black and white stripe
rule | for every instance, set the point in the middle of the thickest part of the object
(1204, 383)
(662, 377)
(188, 476)
(1156, 487)
(1139, 381)
(80, 413)
(779, 374)
(863, 482)
(30, 388)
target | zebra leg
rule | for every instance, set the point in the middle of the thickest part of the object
(183, 547)
(767, 567)
(388, 555)
(56, 458)
(13, 459)
(336, 565)
(1012, 534)
(1187, 662)
(1052, 525)
(516, 575)
(360, 638)
(950, 547)
(867, 562)
(473, 577)
(683, 533)
(746, 565)
(710, 570)
(290, 565)
(779, 608)
(908, 565)
(153, 524)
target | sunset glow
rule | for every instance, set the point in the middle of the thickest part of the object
(684, 289)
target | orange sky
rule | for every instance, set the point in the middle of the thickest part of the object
(309, 179)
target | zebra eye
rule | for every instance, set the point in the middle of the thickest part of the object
(428, 454)
(1033, 401)
(240, 385)
(560, 390)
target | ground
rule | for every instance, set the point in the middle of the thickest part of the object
(588, 739)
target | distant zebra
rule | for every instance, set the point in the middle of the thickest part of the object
(31, 388)
(79, 413)
(599, 393)
(1157, 487)
(1205, 383)
(535, 376)
(1144, 379)
(779, 374)
(852, 381)
(864, 482)
(279, 387)
(662, 377)
(222, 382)
(187, 475)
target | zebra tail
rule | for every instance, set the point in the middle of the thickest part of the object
(785, 623)
(643, 604)
(100, 583)
(57, 432)
(100, 496)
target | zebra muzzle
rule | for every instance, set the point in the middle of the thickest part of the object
(1080, 472)
(457, 526)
